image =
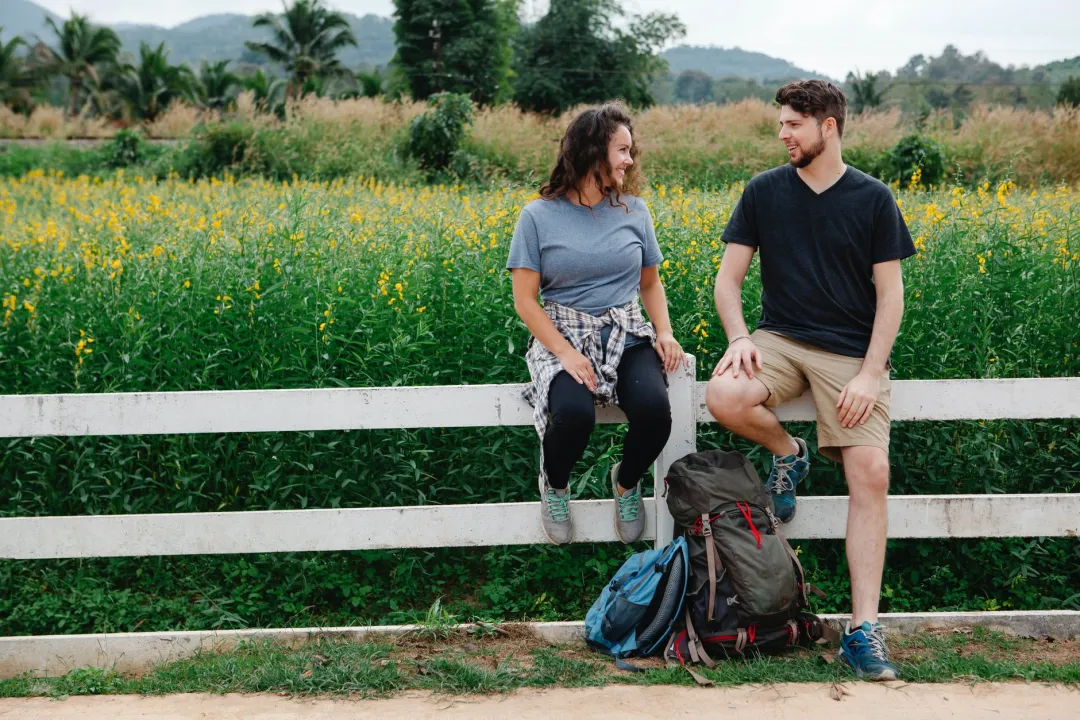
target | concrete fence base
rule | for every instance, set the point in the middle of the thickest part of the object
(53, 655)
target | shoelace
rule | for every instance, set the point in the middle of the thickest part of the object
(782, 482)
(628, 505)
(558, 507)
(876, 640)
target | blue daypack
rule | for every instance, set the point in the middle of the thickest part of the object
(637, 610)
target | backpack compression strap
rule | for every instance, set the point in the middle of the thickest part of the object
(693, 644)
(714, 561)
(794, 558)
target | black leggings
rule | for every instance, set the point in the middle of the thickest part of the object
(643, 398)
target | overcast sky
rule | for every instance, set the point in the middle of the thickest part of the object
(828, 37)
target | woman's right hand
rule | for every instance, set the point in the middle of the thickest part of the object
(578, 367)
(742, 353)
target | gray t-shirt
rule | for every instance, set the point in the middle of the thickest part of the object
(588, 259)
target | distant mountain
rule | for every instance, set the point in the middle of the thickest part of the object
(1061, 70)
(733, 62)
(22, 17)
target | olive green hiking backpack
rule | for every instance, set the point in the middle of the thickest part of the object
(747, 593)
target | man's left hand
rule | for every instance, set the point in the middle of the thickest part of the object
(857, 399)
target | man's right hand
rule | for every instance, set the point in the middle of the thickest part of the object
(578, 367)
(742, 353)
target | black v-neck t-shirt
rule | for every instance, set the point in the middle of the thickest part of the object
(818, 252)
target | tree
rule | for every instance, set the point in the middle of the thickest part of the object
(693, 87)
(81, 50)
(268, 92)
(306, 39)
(865, 93)
(214, 88)
(1069, 92)
(16, 80)
(603, 61)
(457, 46)
(371, 83)
(148, 88)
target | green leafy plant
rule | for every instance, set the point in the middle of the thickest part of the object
(915, 153)
(436, 137)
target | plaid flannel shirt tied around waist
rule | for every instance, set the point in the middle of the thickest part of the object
(582, 331)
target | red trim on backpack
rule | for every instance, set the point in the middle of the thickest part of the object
(752, 632)
(720, 638)
(682, 636)
(745, 510)
(698, 528)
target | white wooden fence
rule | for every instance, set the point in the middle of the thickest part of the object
(483, 524)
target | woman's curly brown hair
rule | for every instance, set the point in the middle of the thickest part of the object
(583, 152)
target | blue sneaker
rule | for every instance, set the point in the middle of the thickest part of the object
(787, 472)
(864, 650)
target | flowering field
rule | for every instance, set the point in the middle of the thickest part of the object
(123, 284)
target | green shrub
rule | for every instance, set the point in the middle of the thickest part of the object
(911, 154)
(436, 137)
(871, 162)
(216, 148)
(125, 149)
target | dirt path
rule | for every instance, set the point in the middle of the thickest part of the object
(777, 702)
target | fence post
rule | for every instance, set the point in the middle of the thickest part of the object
(683, 440)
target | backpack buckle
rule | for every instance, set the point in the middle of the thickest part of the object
(706, 525)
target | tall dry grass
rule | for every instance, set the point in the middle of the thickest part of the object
(693, 144)
(178, 121)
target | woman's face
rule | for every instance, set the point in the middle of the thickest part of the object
(619, 155)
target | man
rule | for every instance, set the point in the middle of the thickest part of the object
(831, 240)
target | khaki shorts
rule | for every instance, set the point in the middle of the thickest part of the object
(790, 367)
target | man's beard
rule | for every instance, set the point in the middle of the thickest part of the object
(808, 156)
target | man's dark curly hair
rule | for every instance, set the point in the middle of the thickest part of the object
(818, 99)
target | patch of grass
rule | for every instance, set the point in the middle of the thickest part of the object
(552, 668)
(438, 624)
(319, 668)
(337, 667)
(458, 676)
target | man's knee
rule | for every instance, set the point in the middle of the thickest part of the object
(867, 470)
(729, 398)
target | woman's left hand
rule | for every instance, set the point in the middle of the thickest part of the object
(670, 351)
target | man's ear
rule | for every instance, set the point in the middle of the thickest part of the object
(828, 126)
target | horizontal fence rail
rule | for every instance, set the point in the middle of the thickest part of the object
(916, 516)
(234, 411)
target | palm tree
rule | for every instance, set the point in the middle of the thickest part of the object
(306, 39)
(215, 84)
(15, 78)
(150, 86)
(371, 83)
(82, 49)
(866, 94)
(267, 90)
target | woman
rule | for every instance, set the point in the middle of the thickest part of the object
(588, 247)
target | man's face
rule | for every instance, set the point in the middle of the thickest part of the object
(801, 135)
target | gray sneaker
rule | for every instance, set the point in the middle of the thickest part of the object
(555, 513)
(629, 510)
